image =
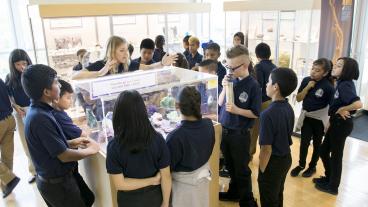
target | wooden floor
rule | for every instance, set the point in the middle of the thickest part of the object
(299, 192)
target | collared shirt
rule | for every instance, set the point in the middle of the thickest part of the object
(138, 62)
(194, 60)
(263, 70)
(158, 54)
(345, 95)
(191, 145)
(46, 141)
(5, 105)
(142, 164)
(276, 127)
(20, 97)
(71, 131)
(320, 96)
(247, 95)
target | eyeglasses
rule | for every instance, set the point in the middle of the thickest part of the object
(234, 68)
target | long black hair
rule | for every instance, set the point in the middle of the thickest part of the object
(190, 102)
(132, 128)
(13, 79)
(350, 70)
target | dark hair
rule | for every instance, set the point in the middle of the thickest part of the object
(130, 49)
(182, 61)
(65, 87)
(36, 79)
(81, 52)
(186, 39)
(286, 79)
(132, 128)
(147, 44)
(213, 46)
(14, 76)
(160, 41)
(350, 70)
(241, 36)
(190, 102)
(326, 65)
(263, 51)
(210, 64)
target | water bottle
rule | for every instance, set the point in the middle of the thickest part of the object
(229, 88)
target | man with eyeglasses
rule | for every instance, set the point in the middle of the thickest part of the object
(237, 118)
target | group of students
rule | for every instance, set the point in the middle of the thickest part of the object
(149, 171)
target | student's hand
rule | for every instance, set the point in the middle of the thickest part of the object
(167, 59)
(343, 113)
(157, 179)
(80, 142)
(93, 147)
(20, 111)
(108, 66)
(311, 84)
(232, 108)
(225, 81)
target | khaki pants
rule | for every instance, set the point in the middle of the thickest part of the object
(20, 128)
(7, 128)
(254, 133)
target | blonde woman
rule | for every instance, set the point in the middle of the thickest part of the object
(117, 60)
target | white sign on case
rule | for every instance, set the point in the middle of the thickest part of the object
(111, 86)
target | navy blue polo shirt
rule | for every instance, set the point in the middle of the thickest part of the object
(186, 53)
(20, 97)
(263, 70)
(46, 141)
(138, 61)
(5, 105)
(191, 145)
(158, 54)
(71, 131)
(345, 95)
(98, 65)
(221, 72)
(143, 164)
(276, 127)
(318, 97)
(247, 95)
(193, 60)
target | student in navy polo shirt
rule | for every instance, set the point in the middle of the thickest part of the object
(344, 104)
(71, 131)
(237, 118)
(316, 92)
(18, 62)
(191, 146)
(212, 52)
(262, 72)
(193, 57)
(117, 60)
(138, 156)
(52, 154)
(147, 48)
(277, 123)
(8, 180)
(186, 45)
(159, 52)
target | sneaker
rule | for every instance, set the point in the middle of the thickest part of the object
(309, 172)
(325, 188)
(10, 186)
(224, 173)
(225, 196)
(295, 172)
(321, 180)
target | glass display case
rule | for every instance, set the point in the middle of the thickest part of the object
(159, 89)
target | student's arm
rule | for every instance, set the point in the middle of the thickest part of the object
(165, 186)
(167, 60)
(301, 95)
(221, 99)
(128, 184)
(345, 110)
(232, 108)
(16, 107)
(84, 73)
(70, 155)
(264, 156)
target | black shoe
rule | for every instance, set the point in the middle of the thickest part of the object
(325, 188)
(321, 180)
(251, 203)
(295, 172)
(10, 186)
(224, 173)
(32, 179)
(309, 172)
(224, 196)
